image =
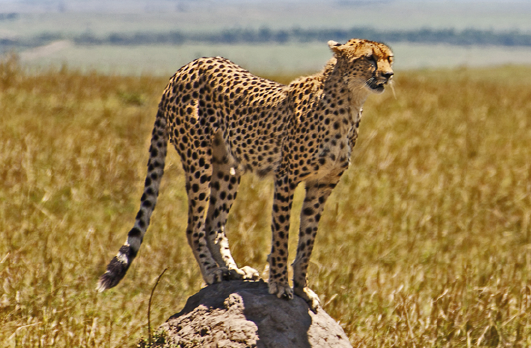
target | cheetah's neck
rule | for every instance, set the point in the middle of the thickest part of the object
(332, 81)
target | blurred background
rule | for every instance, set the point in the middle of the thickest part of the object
(268, 36)
(426, 241)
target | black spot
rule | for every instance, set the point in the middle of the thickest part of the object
(134, 233)
(308, 211)
(128, 251)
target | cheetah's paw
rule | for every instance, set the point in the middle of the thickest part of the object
(280, 290)
(215, 275)
(244, 273)
(309, 296)
(249, 273)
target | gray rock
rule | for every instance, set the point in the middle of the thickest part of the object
(243, 314)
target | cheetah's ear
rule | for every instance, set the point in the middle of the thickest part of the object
(335, 46)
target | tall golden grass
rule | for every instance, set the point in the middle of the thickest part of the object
(426, 242)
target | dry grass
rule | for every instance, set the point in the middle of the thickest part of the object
(426, 242)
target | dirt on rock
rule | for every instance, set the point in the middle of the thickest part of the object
(240, 314)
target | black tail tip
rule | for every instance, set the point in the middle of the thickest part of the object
(106, 281)
(115, 272)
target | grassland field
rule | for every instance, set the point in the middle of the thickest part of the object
(426, 241)
(278, 59)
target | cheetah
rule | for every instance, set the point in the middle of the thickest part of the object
(223, 121)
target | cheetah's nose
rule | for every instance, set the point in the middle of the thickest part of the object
(388, 74)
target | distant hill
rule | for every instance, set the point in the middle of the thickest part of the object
(266, 35)
(283, 36)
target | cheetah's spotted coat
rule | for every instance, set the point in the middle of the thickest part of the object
(224, 121)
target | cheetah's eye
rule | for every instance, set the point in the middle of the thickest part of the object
(371, 58)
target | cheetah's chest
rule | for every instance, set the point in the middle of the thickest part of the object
(330, 158)
(333, 156)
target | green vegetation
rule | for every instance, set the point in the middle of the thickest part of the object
(425, 242)
(266, 35)
(32, 24)
(163, 60)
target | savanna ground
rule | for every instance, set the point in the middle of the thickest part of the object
(426, 241)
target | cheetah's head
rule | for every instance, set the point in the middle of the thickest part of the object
(364, 64)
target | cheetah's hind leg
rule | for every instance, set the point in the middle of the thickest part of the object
(223, 190)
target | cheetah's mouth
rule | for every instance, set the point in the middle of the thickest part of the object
(374, 85)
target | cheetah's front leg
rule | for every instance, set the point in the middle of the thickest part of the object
(316, 195)
(278, 259)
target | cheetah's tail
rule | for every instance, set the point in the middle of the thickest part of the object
(118, 266)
